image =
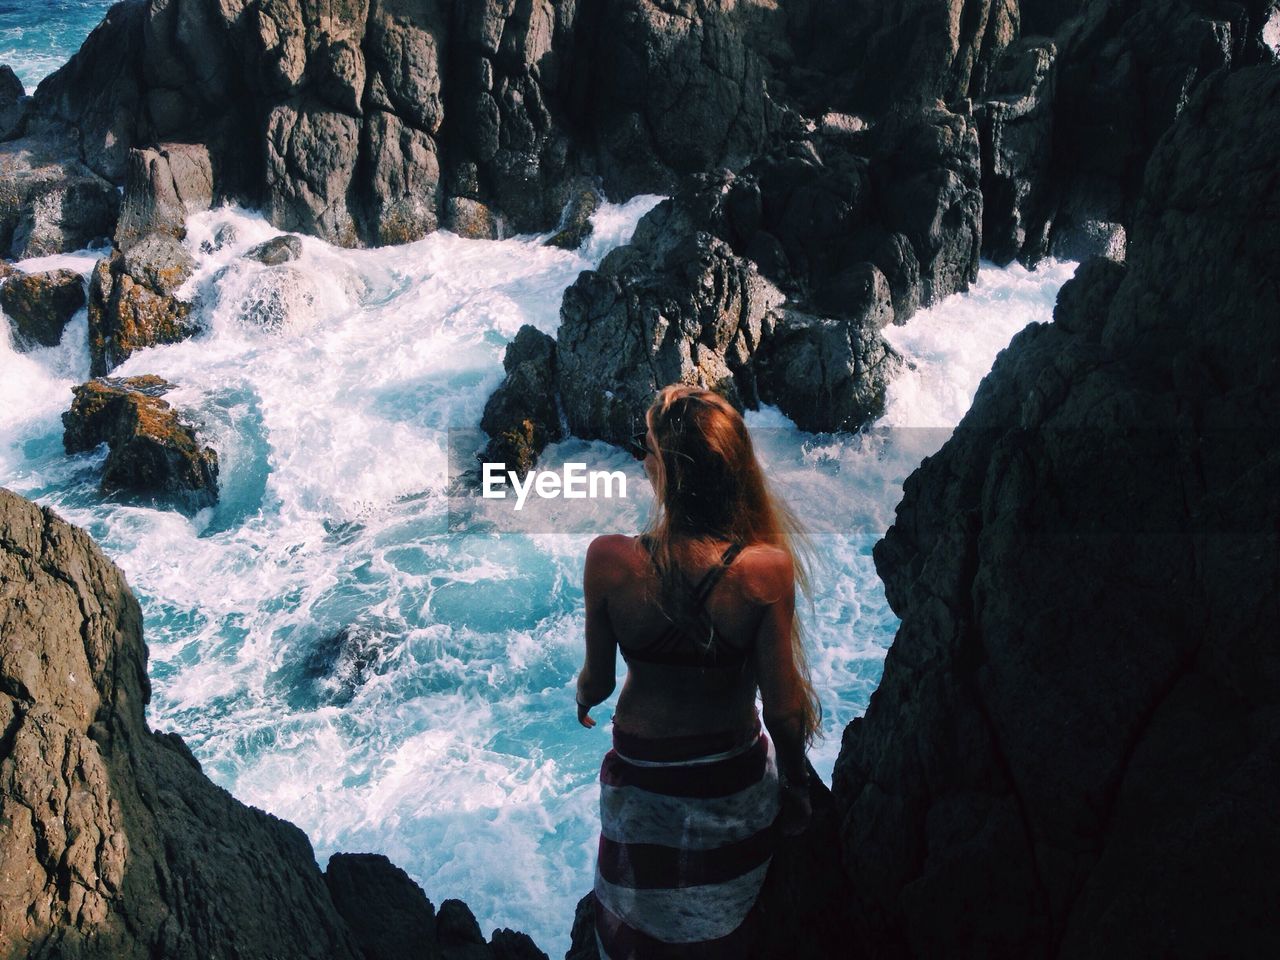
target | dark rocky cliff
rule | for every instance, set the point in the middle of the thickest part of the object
(1075, 749)
(114, 843)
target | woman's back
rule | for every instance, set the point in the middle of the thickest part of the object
(681, 698)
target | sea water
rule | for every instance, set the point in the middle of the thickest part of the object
(39, 36)
(330, 651)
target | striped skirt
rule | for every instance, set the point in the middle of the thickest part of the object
(686, 835)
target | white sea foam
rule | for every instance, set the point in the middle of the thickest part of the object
(332, 654)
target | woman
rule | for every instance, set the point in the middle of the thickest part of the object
(702, 608)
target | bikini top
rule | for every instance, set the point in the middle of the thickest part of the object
(680, 646)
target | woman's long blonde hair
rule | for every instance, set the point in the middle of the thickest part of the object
(710, 486)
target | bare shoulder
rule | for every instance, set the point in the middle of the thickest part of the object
(610, 558)
(766, 573)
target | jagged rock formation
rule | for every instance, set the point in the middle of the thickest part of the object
(115, 844)
(772, 285)
(152, 451)
(521, 418)
(49, 201)
(392, 918)
(132, 303)
(1079, 719)
(1071, 122)
(39, 305)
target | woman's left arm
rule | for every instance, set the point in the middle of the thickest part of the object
(597, 680)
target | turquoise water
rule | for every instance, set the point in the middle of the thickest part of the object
(329, 650)
(38, 36)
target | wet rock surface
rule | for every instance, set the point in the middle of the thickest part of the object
(276, 251)
(1078, 719)
(521, 416)
(50, 202)
(132, 303)
(152, 451)
(39, 305)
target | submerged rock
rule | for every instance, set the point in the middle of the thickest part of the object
(40, 304)
(132, 303)
(1078, 717)
(276, 251)
(575, 224)
(151, 450)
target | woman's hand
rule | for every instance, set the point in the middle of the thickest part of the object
(797, 809)
(584, 716)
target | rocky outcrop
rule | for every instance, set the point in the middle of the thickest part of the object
(152, 451)
(674, 305)
(276, 251)
(1070, 124)
(162, 185)
(1079, 719)
(116, 845)
(50, 202)
(772, 286)
(14, 104)
(392, 918)
(132, 303)
(39, 305)
(521, 416)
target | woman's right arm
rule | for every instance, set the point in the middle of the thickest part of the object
(782, 691)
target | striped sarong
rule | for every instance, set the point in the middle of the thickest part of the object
(686, 835)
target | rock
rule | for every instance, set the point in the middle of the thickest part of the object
(457, 925)
(1077, 721)
(575, 223)
(926, 169)
(403, 196)
(908, 53)
(280, 299)
(14, 104)
(507, 944)
(49, 204)
(1016, 126)
(671, 95)
(162, 186)
(165, 862)
(582, 938)
(160, 262)
(1091, 238)
(471, 219)
(676, 305)
(825, 374)
(276, 251)
(340, 663)
(151, 450)
(521, 416)
(1069, 125)
(388, 913)
(131, 302)
(40, 304)
(304, 135)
